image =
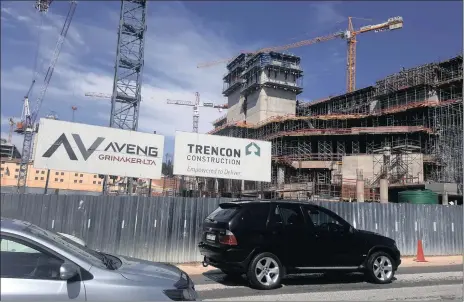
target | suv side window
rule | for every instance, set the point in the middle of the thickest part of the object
(255, 216)
(291, 215)
(23, 260)
(323, 221)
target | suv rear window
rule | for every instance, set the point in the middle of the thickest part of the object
(223, 213)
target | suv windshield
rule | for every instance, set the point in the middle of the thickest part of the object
(223, 213)
(68, 245)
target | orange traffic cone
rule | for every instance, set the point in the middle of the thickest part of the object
(420, 252)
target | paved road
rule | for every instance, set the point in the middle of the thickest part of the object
(420, 283)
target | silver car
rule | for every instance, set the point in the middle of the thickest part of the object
(40, 265)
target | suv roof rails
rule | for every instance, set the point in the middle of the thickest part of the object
(270, 200)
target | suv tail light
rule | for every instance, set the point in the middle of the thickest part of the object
(228, 238)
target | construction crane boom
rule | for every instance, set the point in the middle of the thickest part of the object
(192, 104)
(56, 55)
(98, 95)
(196, 105)
(102, 95)
(349, 35)
(29, 124)
(280, 48)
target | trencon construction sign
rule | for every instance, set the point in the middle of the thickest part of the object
(222, 157)
(78, 147)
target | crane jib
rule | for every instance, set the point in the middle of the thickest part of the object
(28, 134)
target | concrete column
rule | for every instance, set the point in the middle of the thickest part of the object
(383, 190)
(242, 187)
(444, 198)
(280, 176)
(216, 186)
(259, 188)
(359, 186)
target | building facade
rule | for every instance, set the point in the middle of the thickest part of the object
(8, 150)
(406, 128)
(65, 182)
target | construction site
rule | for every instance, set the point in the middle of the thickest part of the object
(402, 132)
(405, 129)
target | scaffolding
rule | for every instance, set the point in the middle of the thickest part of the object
(249, 73)
(416, 113)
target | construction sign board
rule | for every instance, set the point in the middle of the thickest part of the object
(77, 147)
(205, 155)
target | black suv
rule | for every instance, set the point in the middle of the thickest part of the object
(268, 239)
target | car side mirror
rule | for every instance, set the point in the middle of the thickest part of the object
(68, 271)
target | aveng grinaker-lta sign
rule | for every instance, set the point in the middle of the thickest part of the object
(101, 150)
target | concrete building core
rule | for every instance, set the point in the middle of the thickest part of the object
(261, 86)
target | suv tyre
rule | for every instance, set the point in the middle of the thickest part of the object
(380, 268)
(265, 271)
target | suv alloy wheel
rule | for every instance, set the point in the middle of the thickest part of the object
(265, 271)
(380, 268)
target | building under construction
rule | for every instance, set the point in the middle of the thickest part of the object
(405, 129)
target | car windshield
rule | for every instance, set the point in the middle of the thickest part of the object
(68, 245)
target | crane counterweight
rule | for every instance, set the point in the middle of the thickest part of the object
(42, 5)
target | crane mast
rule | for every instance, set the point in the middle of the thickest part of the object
(196, 112)
(350, 57)
(350, 36)
(29, 123)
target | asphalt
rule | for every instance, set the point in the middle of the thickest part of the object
(430, 283)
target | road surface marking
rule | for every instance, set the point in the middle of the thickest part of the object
(435, 292)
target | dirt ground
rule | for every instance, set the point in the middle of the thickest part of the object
(198, 269)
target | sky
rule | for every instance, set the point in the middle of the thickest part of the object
(181, 35)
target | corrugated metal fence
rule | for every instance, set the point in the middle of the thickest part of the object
(168, 229)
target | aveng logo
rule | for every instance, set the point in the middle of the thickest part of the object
(115, 147)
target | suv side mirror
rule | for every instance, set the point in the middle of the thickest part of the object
(68, 271)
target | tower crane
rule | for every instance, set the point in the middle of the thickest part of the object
(27, 125)
(196, 115)
(196, 105)
(349, 35)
